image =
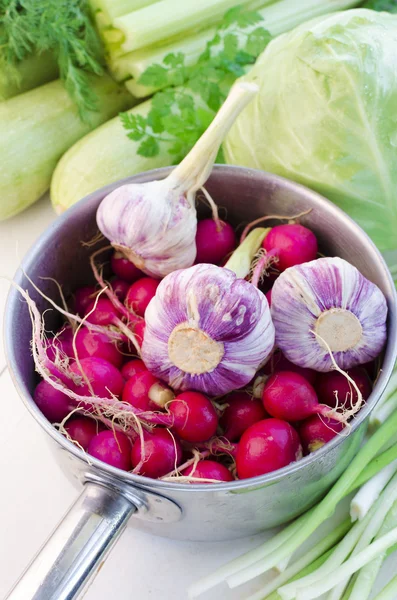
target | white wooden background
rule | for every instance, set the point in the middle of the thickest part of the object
(35, 493)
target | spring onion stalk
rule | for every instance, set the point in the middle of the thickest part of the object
(389, 592)
(283, 564)
(153, 24)
(369, 492)
(352, 565)
(383, 506)
(378, 463)
(278, 18)
(365, 579)
(340, 553)
(32, 72)
(358, 538)
(313, 519)
(296, 570)
(36, 128)
(251, 557)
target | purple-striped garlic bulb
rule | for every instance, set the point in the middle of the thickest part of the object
(154, 224)
(328, 305)
(207, 330)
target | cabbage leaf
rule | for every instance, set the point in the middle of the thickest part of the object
(326, 115)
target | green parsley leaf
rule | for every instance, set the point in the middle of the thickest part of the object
(182, 111)
(155, 75)
(257, 41)
(149, 147)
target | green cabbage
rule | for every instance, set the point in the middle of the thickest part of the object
(326, 115)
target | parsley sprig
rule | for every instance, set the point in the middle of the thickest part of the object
(59, 26)
(193, 93)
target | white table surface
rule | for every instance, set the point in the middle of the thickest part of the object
(35, 493)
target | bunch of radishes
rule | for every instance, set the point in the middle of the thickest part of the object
(220, 386)
(284, 411)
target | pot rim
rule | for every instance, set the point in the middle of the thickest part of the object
(234, 486)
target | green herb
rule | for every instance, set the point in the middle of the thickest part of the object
(382, 5)
(29, 27)
(181, 113)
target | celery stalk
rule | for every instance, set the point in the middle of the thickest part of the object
(32, 72)
(277, 18)
(155, 23)
(118, 8)
(101, 157)
(36, 128)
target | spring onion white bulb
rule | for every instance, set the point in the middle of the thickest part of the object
(327, 305)
(154, 223)
(207, 330)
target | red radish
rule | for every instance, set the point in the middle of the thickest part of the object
(82, 430)
(104, 314)
(293, 244)
(269, 297)
(208, 469)
(161, 454)
(62, 342)
(289, 396)
(91, 343)
(316, 431)
(215, 239)
(124, 269)
(120, 288)
(83, 297)
(146, 392)
(104, 378)
(54, 404)
(335, 390)
(112, 448)
(140, 293)
(139, 330)
(267, 446)
(194, 417)
(132, 368)
(242, 412)
(278, 363)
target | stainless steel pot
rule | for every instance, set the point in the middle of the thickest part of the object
(110, 498)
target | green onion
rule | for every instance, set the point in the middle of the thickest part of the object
(389, 592)
(295, 571)
(352, 565)
(363, 582)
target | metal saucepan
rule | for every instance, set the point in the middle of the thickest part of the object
(110, 498)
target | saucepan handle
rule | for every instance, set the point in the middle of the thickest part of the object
(76, 550)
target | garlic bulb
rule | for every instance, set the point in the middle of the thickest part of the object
(327, 302)
(154, 223)
(206, 330)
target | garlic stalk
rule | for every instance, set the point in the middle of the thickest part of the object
(328, 305)
(207, 330)
(154, 223)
